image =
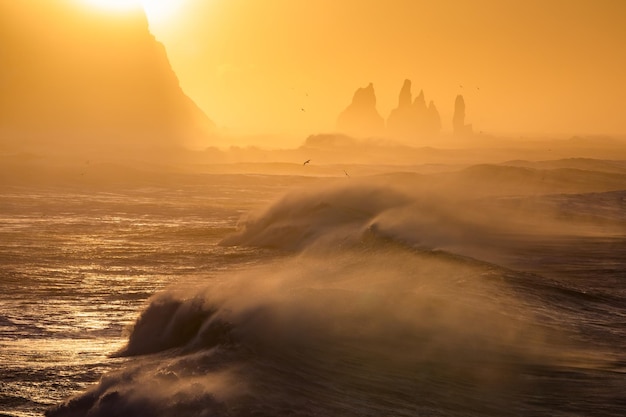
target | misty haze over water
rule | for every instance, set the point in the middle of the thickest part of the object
(406, 261)
(490, 289)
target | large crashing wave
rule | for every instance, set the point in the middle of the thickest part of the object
(443, 218)
(348, 213)
(363, 318)
(299, 219)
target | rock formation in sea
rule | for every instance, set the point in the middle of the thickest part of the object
(402, 121)
(433, 126)
(361, 118)
(458, 120)
(73, 76)
(411, 120)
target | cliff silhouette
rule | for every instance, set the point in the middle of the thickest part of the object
(72, 76)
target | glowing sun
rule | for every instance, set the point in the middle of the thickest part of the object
(116, 5)
(156, 10)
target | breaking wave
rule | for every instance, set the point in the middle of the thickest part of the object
(378, 303)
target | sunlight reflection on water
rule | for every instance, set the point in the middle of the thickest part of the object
(78, 267)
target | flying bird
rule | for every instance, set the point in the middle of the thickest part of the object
(344, 171)
(306, 162)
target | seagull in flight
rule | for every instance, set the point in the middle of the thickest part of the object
(306, 162)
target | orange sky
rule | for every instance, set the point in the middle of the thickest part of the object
(526, 67)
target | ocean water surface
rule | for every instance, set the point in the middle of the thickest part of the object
(267, 295)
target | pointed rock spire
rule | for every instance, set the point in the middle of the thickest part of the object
(412, 119)
(361, 118)
(458, 120)
(405, 97)
(420, 102)
(434, 125)
(401, 120)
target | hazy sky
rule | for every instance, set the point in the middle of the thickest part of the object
(525, 67)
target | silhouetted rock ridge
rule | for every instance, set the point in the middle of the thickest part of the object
(72, 75)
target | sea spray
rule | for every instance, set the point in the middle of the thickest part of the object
(374, 304)
(376, 327)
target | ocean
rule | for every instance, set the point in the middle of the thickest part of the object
(489, 290)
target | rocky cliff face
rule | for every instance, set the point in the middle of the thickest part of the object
(74, 76)
(361, 118)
